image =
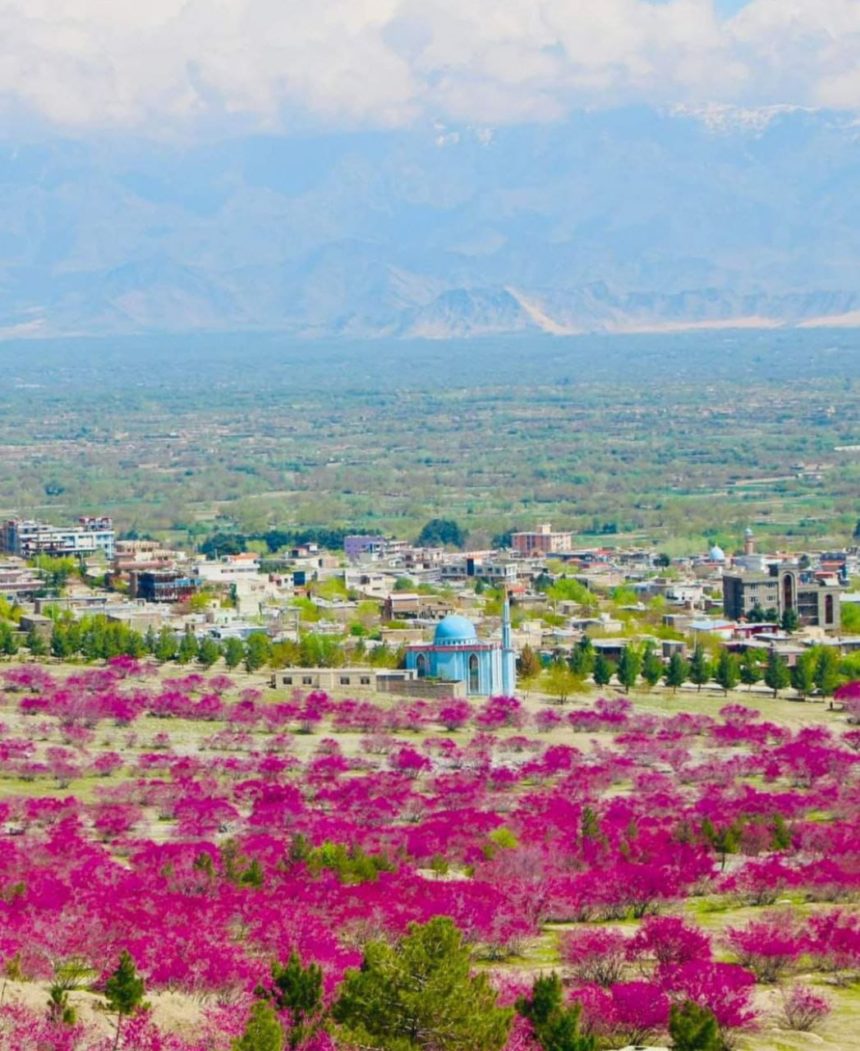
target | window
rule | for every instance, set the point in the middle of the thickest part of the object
(288, 680)
(421, 666)
(307, 681)
(344, 680)
(828, 609)
(474, 675)
(365, 680)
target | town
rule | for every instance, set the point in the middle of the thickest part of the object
(362, 612)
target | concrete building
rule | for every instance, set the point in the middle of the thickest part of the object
(27, 538)
(815, 598)
(542, 541)
(456, 655)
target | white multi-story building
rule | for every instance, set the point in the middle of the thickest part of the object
(27, 538)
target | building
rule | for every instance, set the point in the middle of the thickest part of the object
(543, 541)
(457, 657)
(166, 585)
(358, 546)
(17, 580)
(27, 538)
(497, 574)
(815, 598)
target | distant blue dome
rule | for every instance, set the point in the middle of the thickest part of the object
(454, 631)
(717, 554)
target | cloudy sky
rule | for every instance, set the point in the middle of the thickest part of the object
(194, 67)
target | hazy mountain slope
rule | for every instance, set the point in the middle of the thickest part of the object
(612, 221)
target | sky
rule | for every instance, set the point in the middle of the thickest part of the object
(204, 68)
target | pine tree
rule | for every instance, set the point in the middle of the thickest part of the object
(677, 672)
(124, 991)
(827, 671)
(803, 674)
(8, 642)
(420, 993)
(208, 652)
(36, 644)
(652, 665)
(603, 670)
(188, 648)
(727, 672)
(556, 1027)
(299, 990)
(750, 669)
(582, 658)
(629, 666)
(694, 1028)
(263, 1031)
(776, 673)
(234, 652)
(258, 649)
(700, 667)
(166, 646)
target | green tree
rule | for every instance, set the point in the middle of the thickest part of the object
(421, 993)
(234, 652)
(789, 621)
(442, 532)
(263, 1031)
(750, 669)
(603, 670)
(652, 665)
(677, 671)
(555, 1026)
(166, 646)
(299, 990)
(188, 648)
(258, 650)
(826, 670)
(559, 681)
(694, 1028)
(124, 991)
(700, 667)
(582, 658)
(629, 666)
(36, 644)
(776, 673)
(8, 642)
(208, 652)
(803, 674)
(727, 672)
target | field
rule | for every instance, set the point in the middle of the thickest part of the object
(649, 849)
(673, 440)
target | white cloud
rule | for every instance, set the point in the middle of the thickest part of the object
(162, 65)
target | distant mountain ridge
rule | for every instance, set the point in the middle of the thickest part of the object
(623, 221)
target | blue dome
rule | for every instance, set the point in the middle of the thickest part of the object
(717, 554)
(454, 631)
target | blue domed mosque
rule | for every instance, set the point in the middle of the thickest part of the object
(457, 655)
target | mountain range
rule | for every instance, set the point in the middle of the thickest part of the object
(612, 221)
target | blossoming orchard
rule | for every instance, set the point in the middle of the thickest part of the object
(240, 853)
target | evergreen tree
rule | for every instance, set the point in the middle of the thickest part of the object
(556, 1027)
(299, 990)
(36, 644)
(188, 648)
(603, 670)
(582, 659)
(258, 650)
(166, 647)
(700, 667)
(8, 642)
(208, 652)
(803, 674)
(694, 1028)
(789, 621)
(826, 670)
(263, 1031)
(234, 652)
(776, 673)
(750, 669)
(629, 666)
(150, 640)
(420, 993)
(652, 665)
(677, 672)
(124, 991)
(727, 672)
